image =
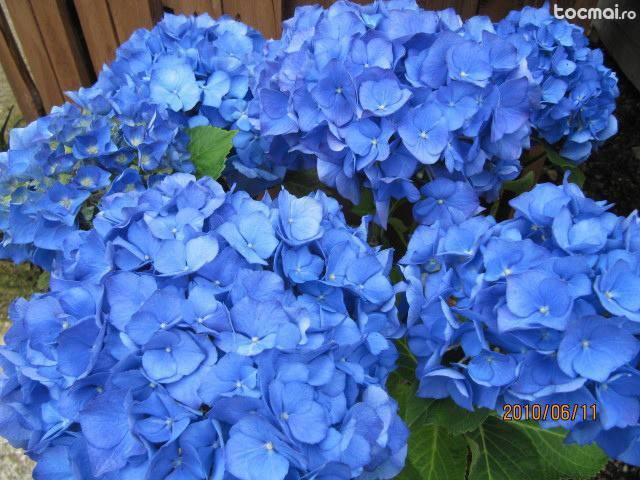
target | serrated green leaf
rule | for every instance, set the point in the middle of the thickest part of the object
(570, 461)
(435, 454)
(522, 184)
(209, 147)
(445, 413)
(501, 452)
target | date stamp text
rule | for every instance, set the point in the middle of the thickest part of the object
(549, 411)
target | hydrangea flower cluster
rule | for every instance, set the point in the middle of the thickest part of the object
(540, 309)
(578, 91)
(381, 91)
(201, 69)
(187, 71)
(200, 334)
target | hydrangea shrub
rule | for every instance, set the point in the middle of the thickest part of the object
(193, 331)
(201, 334)
(539, 309)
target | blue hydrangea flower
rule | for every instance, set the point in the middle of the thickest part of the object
(186, 71)
(446, 202)
(539, 309)
(578, 92)
(346, 82)
(260, 351)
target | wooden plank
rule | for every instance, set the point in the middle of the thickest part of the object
(98, 30)
(130, 15)
(23, 87)
(35, 52)
(263, 15)
(465, 8)
(62, 40)
(190, 7)
(289, 6)
(498, 9)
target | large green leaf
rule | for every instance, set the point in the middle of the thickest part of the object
(436, 449)
(417, 411)
(435, 454)
(209, 147)
(442, 435)
(501, 452)
(445, 413)
(411, 408)
(571, 461)
(522, 450)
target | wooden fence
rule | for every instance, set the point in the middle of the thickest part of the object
(48, 47)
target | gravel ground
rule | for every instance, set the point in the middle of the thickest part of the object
(15, 281)
(13, 464)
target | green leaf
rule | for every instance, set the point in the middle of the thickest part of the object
(493, 210)
(209, 147)
(407, 362)
(417, 411)
(302, 182)
(500, 452)
(445, 413)
(518, 450)
(410, 407)
(573, 461)
(396, 275)
(88, 212)
(522, 184)
(366, 205)
(400, 228)
(435, 454)
(577, 175)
